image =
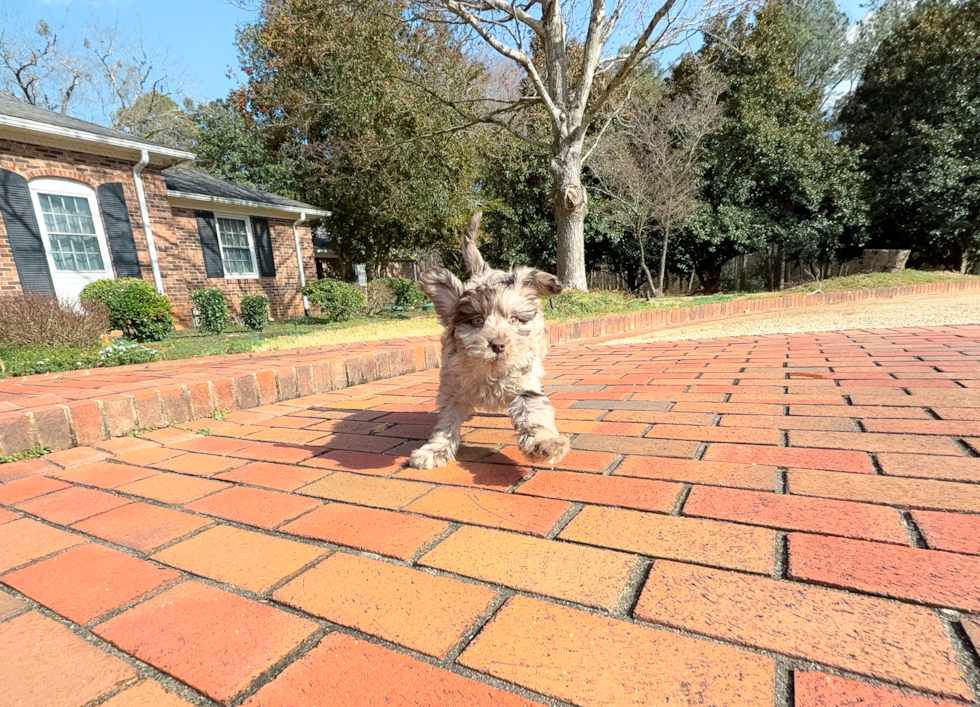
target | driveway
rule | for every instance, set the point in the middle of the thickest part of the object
(780, 520)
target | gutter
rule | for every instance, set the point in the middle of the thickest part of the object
(299, 260)
(145, 217)
(245, 203)
(85, 136)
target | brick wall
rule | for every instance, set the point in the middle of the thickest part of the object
(175, 231)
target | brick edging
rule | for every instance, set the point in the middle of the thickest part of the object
(86, 422)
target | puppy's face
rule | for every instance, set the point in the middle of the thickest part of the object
(494, 319)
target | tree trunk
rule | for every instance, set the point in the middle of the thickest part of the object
(571, 206)
(663, 259)
(643, 263)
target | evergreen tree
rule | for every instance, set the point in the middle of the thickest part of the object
(916, 117)
(772, 174)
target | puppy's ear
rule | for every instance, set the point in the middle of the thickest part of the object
(541, 283)
(444, 289)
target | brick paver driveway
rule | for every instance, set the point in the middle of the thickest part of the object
(786, 520)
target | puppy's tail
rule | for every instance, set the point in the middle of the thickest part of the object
(471, 253)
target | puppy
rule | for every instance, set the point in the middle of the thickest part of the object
(493, 348)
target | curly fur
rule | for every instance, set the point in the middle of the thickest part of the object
(493, 348)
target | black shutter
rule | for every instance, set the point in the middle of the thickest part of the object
(23, 233)
(263, 246)
(118, 230)
(209, 244)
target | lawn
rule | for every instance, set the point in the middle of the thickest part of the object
(313, 331)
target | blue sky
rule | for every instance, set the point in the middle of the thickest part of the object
(199, 34)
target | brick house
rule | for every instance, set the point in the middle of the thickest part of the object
(81, 202)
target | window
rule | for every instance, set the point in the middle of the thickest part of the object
(237, 248)
(72, 237)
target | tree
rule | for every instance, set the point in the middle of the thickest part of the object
(771, 173)
(37, 70)
(571, 77)
(916, 117)
(156, 117)
(228, 148)
(515, 194)
(649, 166)
(324, 91)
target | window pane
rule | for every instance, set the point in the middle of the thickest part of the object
(71, 231)
(235, 253)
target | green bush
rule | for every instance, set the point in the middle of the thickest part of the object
(379, 296)
(135, 308)
(212, 310)
(338, 301)
(125, 353)
(407, 293)
(255, 312)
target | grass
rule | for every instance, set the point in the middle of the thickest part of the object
(312, 331)
(874, 280)
(28, 454)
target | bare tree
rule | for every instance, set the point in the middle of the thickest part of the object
(562, 50)
(648, 164)
(36, 70)
(127, 70)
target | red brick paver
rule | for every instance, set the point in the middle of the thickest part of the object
(788, 521)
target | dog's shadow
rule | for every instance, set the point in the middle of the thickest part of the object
(487, 467)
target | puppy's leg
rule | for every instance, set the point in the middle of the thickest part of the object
(442, 445)
(534, 420)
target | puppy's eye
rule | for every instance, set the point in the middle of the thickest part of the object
(477, 322)
(514, 320)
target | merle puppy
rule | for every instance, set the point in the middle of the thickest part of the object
(493, 348)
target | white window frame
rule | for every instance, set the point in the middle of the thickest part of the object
(254, 275)
(66, 187)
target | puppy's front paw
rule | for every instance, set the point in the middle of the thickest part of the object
(547, 450)
(429, 457)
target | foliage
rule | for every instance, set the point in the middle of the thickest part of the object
(916, 117)
(35, 318)
(255, 312)
(32, 453)
(33, 359)
(135, 308)
(575, 304)
(125, 353)
(228, 148)
(772, 175)
(407, 293)
(211, 308)
(378, 296)
(338, 301)
(332, 88)
(157, 117)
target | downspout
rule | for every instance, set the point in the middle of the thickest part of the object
(299, 260)
(145, 216)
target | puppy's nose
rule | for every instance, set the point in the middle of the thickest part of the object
(497, 345)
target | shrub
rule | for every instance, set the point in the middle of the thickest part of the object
(135, 308)
(212, 310)
(255, 311)
(407, 293)
(123, 354)
(379, 296)
(38, 319)
(338, 301)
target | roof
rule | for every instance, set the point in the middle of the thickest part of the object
(189, 183)
(19, 115)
